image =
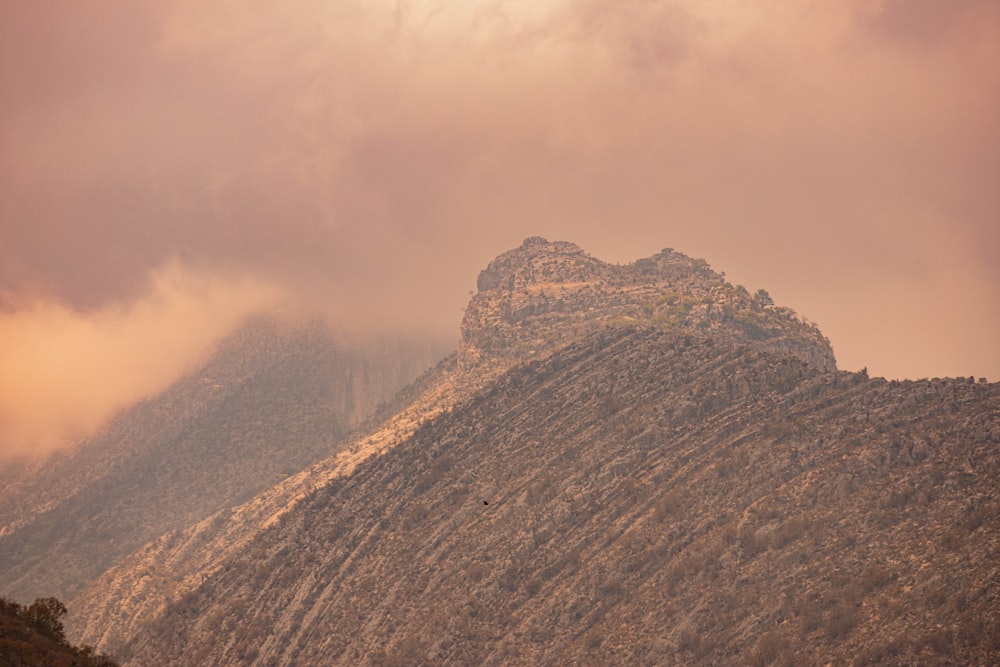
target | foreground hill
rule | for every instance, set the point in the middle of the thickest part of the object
(649, 497)
(607, 482)
(32, 636)
(272, 400)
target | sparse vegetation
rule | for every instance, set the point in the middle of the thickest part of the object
(32, 636)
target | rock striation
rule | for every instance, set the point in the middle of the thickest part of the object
(652, 498)
(635, 464)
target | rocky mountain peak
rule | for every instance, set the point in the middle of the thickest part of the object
(544, 294)
(676, 481)
(537, 261)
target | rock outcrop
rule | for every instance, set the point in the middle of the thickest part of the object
(542, 295)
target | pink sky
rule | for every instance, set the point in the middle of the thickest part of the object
(366, 159)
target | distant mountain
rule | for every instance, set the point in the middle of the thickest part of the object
(273, 399)
(635, 464)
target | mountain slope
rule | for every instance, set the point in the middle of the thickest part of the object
(272, 400)
(634, 464)
(650, 498)
(509, 320)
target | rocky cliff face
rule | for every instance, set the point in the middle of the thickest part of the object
(621, 465)
(274, 399)
(542, 295)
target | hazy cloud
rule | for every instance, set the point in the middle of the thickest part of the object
(370, 158)
(65, 372)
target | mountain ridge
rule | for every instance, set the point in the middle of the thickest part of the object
(605, 295)
(631, 461)
(749, 451)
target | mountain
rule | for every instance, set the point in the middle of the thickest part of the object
(636, 464)
(537, 297)
(273, 399)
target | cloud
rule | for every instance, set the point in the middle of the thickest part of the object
(66, 371)
(371, 157)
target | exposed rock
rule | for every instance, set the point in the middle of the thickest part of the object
(543, 295)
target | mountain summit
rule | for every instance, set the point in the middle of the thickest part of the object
(543, 294)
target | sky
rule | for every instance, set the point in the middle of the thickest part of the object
(169, 166)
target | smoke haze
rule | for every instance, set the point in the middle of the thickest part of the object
(66, 372)
(368, 158)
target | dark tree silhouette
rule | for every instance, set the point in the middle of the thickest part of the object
(33, 636)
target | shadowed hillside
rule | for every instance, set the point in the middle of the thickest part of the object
(273, 399)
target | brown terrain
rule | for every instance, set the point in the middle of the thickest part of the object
(638, 464)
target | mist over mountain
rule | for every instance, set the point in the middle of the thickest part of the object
(274, 398)
(637, 464)
(169, 168)
(842, 155)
